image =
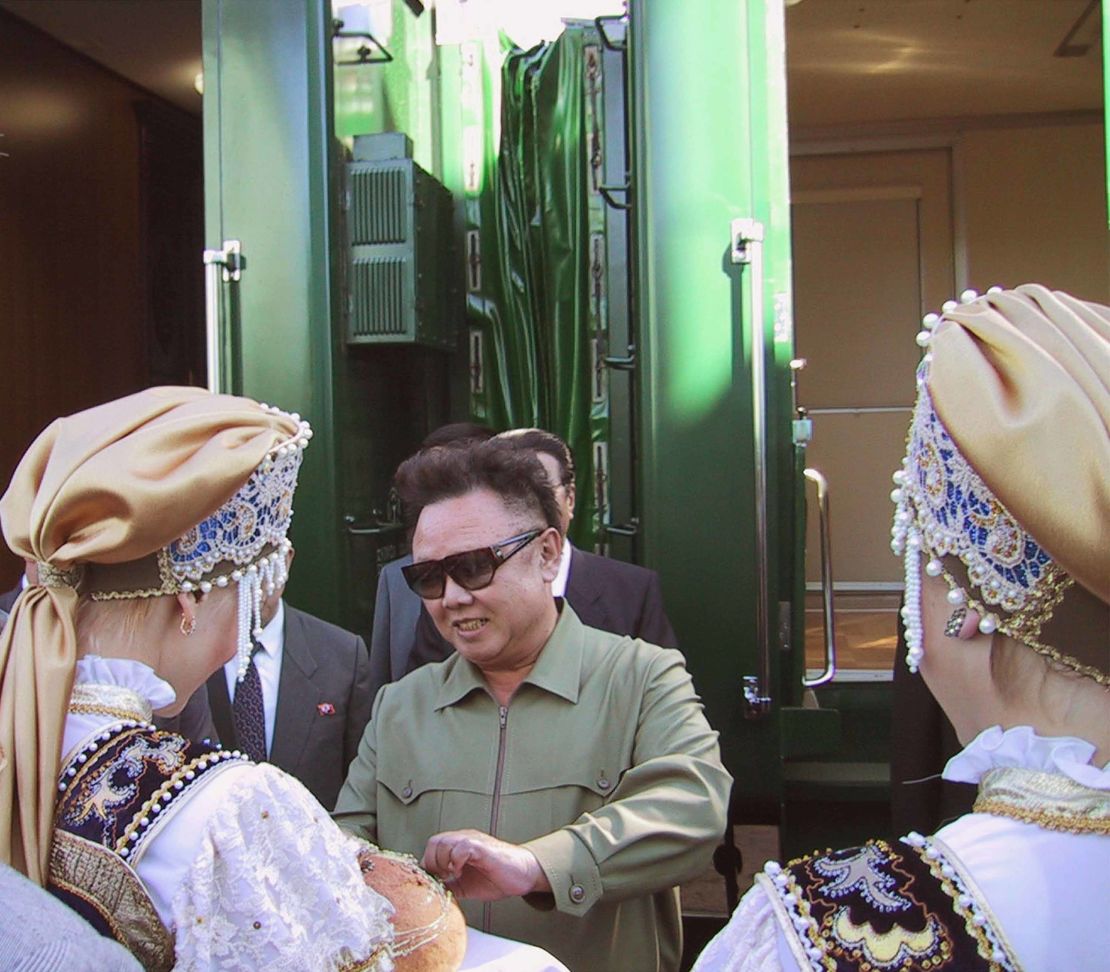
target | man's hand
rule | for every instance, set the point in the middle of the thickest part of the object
(475, 865)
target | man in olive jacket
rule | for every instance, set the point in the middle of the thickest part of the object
(561, 780)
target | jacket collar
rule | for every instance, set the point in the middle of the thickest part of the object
(558, 669)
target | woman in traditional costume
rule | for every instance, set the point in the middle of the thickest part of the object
(153, 526)
(1003, 518)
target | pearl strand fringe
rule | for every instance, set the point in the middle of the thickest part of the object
(266, 576)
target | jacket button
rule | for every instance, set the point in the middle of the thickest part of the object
(603, 783)
(577, 893)
(406, 792)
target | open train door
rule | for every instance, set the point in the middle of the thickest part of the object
(268, 262)
(722, 454)
(716, 445)
(282, 208)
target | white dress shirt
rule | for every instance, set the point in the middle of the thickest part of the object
(268, 663)
(559, 585)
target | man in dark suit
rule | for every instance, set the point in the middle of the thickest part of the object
(315, 687)
(609, 594)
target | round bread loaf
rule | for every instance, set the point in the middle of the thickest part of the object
(429, 932)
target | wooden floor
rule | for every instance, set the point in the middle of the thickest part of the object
(865, 639)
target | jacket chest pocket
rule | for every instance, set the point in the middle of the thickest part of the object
(416, 803)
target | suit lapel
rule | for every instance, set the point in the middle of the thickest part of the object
(297, 695)
(220, 704)
(584, 590)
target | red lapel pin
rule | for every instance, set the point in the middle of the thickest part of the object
(325, 708)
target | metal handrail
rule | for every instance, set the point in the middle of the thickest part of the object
(814, 476)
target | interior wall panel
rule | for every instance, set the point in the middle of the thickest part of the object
(72, 264)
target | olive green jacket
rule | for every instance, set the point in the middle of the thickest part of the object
(603, 765)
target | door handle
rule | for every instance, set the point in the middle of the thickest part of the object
(747, 249)
(826, 581)
(230, 260)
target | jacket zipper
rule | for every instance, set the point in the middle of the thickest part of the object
(495, 809)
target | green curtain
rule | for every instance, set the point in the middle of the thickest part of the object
(534, 303)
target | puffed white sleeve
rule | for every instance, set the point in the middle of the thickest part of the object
(276, 885)
(750, 942)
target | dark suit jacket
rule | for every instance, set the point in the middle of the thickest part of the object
(621, 598)
(612, 595)
(396, 611)
(323, 667)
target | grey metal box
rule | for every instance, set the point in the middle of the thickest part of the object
(401, 288)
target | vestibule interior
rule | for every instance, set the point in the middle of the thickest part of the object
(935, 147)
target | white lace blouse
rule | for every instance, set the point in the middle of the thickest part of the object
(250, 872)
(1046, 889)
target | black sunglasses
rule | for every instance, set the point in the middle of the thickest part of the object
(471, 569)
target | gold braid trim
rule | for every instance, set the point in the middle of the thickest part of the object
(1049, 800)
(128, 595)
(51, 576)
(111, 700)
(973, 909)
(175, 781)
(1067, 661)
(93, 708)
(98, 877)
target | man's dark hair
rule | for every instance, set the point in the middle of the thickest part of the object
(446, 472)
(457, 433)
(540, 440)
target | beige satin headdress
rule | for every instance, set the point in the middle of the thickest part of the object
(165, 491)
(1005, 488)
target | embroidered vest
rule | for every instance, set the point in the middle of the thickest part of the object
(876, 908)
(114, 795)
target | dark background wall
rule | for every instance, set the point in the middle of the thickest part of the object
(101, 231)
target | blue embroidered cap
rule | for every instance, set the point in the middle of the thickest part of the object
(1026, 380)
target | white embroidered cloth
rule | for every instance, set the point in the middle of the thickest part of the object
(250, 872)
(1020, 747)
(750, 942)
(275, 885)
(94, 670)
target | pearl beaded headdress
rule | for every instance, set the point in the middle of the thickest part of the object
(950, 520)
(944, 508)
(243, 542)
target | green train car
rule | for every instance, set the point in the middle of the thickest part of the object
(546, 237)
(411, 217)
